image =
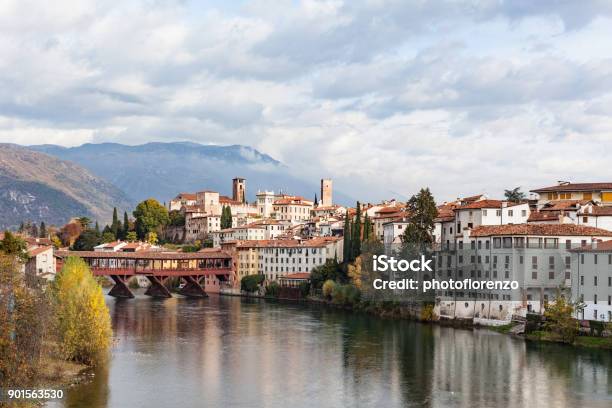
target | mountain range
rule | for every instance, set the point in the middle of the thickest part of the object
(38, 187)
(162, 170)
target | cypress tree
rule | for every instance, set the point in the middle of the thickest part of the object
(97, 229)
(229, 217)
(346, 252)
(126, 225)
(115, 225)
(316, 201)
(367, 227)
(356, 239)
(42, 230)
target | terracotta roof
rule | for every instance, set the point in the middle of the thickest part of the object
(299, 275)
(605, 246)
(539, 229)
(36, 251)
(481, 204)
(388, 210)
(146, 254)
(186, 196)
(288, 243)
(563, 205)
(228, 200)
(535, 216)
(293, 200)
(471, 198)
(600, 211)
(575, 187)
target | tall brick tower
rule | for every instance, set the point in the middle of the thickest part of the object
(326, 192)
(239, 189)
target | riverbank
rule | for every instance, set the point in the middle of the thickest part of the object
(394, 310)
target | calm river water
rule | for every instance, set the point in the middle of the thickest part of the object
(234, 352)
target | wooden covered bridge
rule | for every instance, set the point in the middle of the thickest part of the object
(157, 267)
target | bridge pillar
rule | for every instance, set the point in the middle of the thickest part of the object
(120, 290)
(157, 288)
(192, 287)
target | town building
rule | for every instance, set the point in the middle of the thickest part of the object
(239, 190)
(181, 200)
(294, 209)
(326, 193)
(592, 280)
(41, 263)
(600, 193)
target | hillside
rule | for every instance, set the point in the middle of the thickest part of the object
(161, 170)
(37, 187)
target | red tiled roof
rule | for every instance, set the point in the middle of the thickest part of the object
(539, 229)
(471, 198)
(600, 211)
(293, 200)
(605, 246)
(36, 251)
(535, 216)
(186, 196)
(228, 200)
(299, 275)
(388, 210)
(575, 187)
(146, 254)
(563, 205)
(288, 243)
(481, 204)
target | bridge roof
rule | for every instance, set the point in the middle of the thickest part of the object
(150, 255)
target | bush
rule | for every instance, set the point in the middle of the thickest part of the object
(83, 325)
(352, 294)
(427, 313)
(250, 283)
(328, 288)
(273, 289)
(559, 319)
(339, 294)
(597, 327)
(305, 289)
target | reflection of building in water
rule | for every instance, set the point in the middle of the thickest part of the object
(469, 370)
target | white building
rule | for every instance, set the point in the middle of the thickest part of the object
(293, 209)
(592, 281)
(181, 200)
(41, 263)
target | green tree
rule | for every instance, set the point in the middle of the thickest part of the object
(86, 241)
(15, 246)
(346, 247)
(84, 325)
(367, 228)
(559, 318)
(84, 221)
(42, 230)
(226, 217)
(515, 195)
(250, 283)
(150, 216)
(330, 270)
(97, 229)
(116, 224)
(328, 288)
(126, 225)
(356, 232)
(131, 236)
(177, 218)
(152, 238)
(108, 237)
(422, 211)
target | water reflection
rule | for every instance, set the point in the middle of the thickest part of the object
(224, 351)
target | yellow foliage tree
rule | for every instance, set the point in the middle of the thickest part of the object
(83, 325)
(354, 272)
(328, 288)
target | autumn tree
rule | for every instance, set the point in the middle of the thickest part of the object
(83, 325)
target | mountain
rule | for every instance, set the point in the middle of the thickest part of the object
(162, 170)
(37, 187)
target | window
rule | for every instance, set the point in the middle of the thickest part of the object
(510, 213)
(594, 280)
(595, 301)
(568, 262)
(551, 262)
(551, 275)
(587, 196)
(534, 262)
(479, 244)
(534, 275)
(551, 243)
(523, 213)
(582, 280)
(595, 259)
(519, 242)
(484, 213)
(498, 213)
(487, 244)
(585, 220)
(459, 226)
(507, 242)
(568, 244)
(496, 242)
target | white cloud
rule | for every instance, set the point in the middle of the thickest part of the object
(384, 96)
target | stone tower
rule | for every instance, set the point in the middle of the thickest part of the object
(239, 189)
(326, 192)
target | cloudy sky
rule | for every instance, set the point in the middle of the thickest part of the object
(385, 96)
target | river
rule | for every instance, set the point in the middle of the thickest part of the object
(235, 352)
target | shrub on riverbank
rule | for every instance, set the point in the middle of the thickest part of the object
(328, 288)
(250, 283)
(83, 320)
(273, 289)
(560, 321)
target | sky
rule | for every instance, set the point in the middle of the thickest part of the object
(385, 96)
